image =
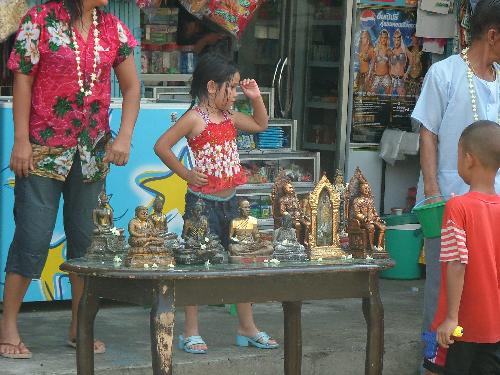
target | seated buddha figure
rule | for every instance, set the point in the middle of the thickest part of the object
(199, 244)
(244, 235)
(286, 246)
(141, 231)
(103, 215)
(159, 220)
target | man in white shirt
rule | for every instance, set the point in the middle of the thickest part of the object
(456, 92)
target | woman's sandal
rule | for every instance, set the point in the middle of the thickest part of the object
(260, 340)
(19, 355)
(187, 344)
(72, 343)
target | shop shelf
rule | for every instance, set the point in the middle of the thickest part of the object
(324, 64)
(327, 23)
(321, 105)
(319, 146)
(166, 77)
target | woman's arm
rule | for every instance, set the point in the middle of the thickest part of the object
(119, 151)
(163, 148)
(258, 121)
(21, 158)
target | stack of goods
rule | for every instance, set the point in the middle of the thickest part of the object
(273, 137)
(159, 52)
(260, 206)
(259, 172)
(245, 141)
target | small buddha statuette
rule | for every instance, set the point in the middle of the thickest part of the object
(245, 240)
(199, 244)
(107, 240)
(286, 245)
(147, 246)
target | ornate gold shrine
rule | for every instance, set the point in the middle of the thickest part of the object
(324, 203)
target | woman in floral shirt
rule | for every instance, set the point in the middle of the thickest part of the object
(62, 59)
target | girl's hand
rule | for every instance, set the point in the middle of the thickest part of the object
(250, 88)
(21, 158)
(118, 151)
(196, 178)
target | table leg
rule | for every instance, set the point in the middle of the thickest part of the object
(293, 337)
(87, 311)
(162, 328)
(374, 316)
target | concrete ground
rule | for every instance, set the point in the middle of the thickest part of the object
(334, 334)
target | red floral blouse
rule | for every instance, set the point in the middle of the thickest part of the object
(216, 155)
(63, 120)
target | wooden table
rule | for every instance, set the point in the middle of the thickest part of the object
(290, 283)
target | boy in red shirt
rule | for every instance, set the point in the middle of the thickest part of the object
(470, 256)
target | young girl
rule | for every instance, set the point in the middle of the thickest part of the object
(210, 129)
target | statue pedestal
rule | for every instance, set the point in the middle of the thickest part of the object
(106, 246)
(380, 254)
(194, 256)
(290, 253)
(137, 258)
(249, 259)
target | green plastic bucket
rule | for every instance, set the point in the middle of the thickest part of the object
(403, 242)
(430, 216)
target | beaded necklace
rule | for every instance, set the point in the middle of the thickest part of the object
(472, 87)
(93, 76)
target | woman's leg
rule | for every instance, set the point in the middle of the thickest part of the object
(247, 325)
(191, 325)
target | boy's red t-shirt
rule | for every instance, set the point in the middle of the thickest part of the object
(471, 235)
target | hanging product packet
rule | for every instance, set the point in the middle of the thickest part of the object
(232, 15)
(11, 12)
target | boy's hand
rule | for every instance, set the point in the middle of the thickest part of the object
(250, 88)
(21, 158)
(444, 332)
(196, 178)
(118, 151)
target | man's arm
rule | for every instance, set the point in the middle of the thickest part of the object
(429, 161)
(455, 273)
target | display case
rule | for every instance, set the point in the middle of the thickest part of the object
(322, 75)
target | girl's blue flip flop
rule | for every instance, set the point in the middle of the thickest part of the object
(187, 343)
(260, 340)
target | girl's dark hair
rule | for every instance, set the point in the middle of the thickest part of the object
(74, 8)
(486, 16)
(211, 67)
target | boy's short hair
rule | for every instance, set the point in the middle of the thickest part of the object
(482, 139)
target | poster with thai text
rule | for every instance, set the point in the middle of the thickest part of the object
(387, 73)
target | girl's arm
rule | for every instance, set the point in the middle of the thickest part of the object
(163, 148)
(258, 121)
(119, 151)
(21, 158)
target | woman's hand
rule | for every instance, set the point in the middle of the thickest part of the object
(118, 151)
(196, 178)
(250, 88)
(21, 158)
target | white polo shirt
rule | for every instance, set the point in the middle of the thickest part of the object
(444, 108)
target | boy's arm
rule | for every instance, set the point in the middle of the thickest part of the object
(455, 272)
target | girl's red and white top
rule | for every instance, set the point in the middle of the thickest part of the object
(216, 155)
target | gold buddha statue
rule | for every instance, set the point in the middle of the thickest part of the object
(159, 220)
(245, 239)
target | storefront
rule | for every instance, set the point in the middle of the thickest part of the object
(307, 58)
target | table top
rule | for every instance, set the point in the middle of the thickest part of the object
(84, 266)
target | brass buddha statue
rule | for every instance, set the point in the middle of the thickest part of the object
(199, 244)
(286, 246)
(341, 188)
(107, 240)
(159, 220)
(246, 243)
(147, 246)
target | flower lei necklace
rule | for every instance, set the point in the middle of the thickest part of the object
(472, 87)
(93, 76)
